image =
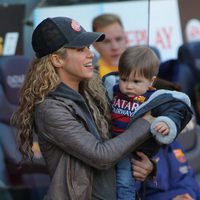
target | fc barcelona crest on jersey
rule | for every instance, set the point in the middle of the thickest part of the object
(180, 156)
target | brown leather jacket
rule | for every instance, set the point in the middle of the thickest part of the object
(81, 165)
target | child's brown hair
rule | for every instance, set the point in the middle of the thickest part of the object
(140, 60)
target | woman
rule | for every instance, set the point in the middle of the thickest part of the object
(62, 100)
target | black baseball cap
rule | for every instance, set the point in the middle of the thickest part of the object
(54, 33)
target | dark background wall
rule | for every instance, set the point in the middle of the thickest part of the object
(188, 10)
(26, 23)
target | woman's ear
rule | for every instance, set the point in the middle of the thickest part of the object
(56, 60)
(153, 80)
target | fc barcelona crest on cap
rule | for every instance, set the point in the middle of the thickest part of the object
(75, 25)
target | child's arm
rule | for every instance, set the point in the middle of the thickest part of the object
(162, 128)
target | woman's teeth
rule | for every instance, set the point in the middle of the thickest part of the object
(88, 65)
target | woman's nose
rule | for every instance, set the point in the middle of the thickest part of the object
(90, 53)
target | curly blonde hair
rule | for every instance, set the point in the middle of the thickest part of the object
(95, 96)
(40, 80)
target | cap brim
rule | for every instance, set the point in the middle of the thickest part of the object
(86, 39)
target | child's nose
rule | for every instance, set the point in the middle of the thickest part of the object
(129, 85)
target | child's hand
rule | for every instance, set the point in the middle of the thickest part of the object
(162, 128)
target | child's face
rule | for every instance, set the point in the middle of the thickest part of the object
(134, 84)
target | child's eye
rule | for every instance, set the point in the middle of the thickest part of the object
(123, 79)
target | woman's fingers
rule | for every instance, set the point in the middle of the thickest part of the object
(148, 117)
(142, 167)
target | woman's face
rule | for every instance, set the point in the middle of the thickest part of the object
(77, 65)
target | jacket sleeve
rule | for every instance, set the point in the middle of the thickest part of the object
(176, 113)
(62, 129)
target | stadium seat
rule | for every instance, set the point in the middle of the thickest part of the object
(28, 176)
(189, 54)
(179, 73)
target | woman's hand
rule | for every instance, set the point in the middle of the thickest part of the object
(148, 117)
(141, 168)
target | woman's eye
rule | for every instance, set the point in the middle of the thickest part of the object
(81, 49)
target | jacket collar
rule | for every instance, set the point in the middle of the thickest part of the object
(65, 91)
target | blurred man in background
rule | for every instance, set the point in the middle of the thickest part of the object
(114, 44)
